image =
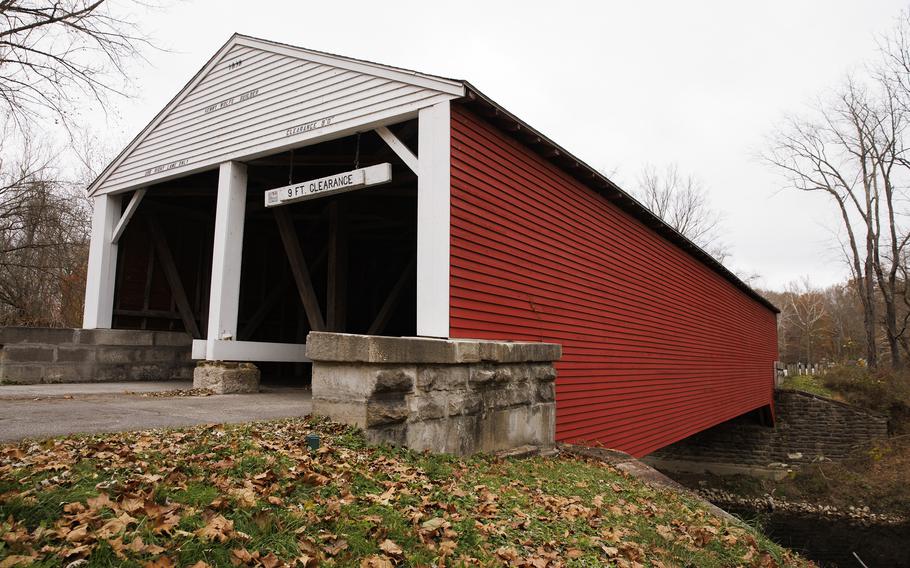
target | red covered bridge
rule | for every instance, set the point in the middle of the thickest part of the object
(412, 204)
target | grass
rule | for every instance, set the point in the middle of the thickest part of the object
(813, 384)
(254, 495)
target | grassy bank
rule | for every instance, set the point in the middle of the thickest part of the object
(254, 495)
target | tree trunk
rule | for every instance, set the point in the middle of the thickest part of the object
(893, 335)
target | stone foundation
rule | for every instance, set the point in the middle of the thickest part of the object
(808, 428)
(226, 377)
(448, 396)
(31, 355)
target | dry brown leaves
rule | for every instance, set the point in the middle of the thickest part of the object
(146, 461)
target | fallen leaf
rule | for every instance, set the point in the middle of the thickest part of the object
(78, 534)
(99, 502)
(270, 561)
(390, 548)
(376, 561)
(631, 551)
(140, 547)
(116, 526)
(75, 507)
(16, 560)
(336, 547)
(447, 547)
(242, 556)
(217, 529)
(434, 523)
(245, 497)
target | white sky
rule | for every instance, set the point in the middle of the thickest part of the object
(620, 84)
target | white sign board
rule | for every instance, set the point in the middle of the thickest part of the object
(331, 185)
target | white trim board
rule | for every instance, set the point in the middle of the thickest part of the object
(252, 351)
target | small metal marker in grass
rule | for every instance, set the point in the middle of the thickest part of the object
(312, 440)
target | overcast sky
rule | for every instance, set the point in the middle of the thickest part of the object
(620, 84)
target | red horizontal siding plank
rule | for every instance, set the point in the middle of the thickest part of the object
(656, 345)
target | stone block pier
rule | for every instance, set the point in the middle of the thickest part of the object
(454, 396)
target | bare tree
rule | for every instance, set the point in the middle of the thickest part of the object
(682, 202)
(54, 55)
(851, 151)
(43, 240)
(807, 309)
(54, 52)
(818, 324)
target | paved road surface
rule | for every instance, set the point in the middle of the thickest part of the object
(81, 389)
(108, 409)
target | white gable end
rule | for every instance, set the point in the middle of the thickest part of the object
(255, 97)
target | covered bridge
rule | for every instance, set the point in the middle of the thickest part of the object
(285, 190)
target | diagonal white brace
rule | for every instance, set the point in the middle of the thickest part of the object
(398, 147)
(127, 215)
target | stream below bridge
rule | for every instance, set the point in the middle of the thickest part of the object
(830, 538)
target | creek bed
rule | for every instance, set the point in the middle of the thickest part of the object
(829, 537)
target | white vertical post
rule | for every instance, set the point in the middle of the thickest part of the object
(433, 220)
(102, 264)
(224, 297)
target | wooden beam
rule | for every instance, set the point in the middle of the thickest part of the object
(299, 269)
(273, 299)
(161, 314)
(128, 214)
(398, 147)
(337, 285)
(173, 278)
(149, 275)
(385, 312)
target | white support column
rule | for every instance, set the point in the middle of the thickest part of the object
(102, 264)
(224, 297)
(433, 220)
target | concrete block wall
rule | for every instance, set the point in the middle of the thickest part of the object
(30, 355)
(808, 427)
(446, 396)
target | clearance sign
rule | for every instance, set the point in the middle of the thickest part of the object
(331, 185)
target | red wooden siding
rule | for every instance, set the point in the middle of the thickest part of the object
(656, 345)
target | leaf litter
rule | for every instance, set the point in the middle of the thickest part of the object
(255, 495)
